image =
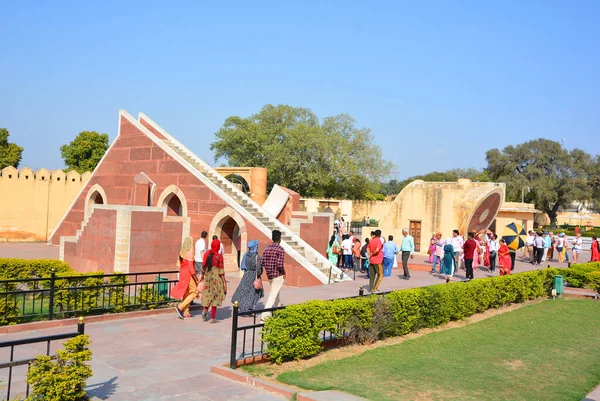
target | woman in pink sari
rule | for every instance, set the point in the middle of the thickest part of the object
(431, 250)
(504, 258)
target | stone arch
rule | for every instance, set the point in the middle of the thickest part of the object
(95, 196)
(229, 223)
(174, 202)
(240, 181)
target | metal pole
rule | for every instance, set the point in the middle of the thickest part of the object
(81, 326)
(51, 297)
(234, 330)
(523, 193)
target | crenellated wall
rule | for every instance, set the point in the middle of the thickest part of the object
(32, 203)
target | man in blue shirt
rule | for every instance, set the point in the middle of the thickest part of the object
(390, 249)
(407, 247)
(547, 245)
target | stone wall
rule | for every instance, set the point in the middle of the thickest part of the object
(32, 203)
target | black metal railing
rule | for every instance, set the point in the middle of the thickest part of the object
(250, 345)
(13, 364)
(57, 296)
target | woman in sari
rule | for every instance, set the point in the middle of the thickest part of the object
(595, 250)
(431, 250)
(187, 286)
(215, 285)
(333, 250)
(245, 294)
(504, 260)
(448, 262)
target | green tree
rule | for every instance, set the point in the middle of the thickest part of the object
(332, 158)
(85, 151)
(555, 175)
(10, 153)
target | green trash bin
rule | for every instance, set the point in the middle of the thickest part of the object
(163, 286)
(559, 285)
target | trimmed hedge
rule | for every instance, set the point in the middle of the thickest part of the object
(293, 333)
(24, 269)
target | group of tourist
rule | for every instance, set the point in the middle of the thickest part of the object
(544, 246)
(202, 275)
(375, 256)
(479, 249)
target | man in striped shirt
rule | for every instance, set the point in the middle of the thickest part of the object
(272, 261)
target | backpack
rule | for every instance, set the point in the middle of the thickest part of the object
(363, 251)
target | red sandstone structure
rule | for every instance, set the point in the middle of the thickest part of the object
(149, 191)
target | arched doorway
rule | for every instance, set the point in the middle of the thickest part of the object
(95, 196)
(230, 229)
(239, 182)
(174, 201)
(174, 206)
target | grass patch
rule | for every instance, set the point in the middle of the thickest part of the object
(547, 351)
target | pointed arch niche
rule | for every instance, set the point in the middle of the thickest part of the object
(95, 196)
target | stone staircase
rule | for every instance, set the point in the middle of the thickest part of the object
(309, 254)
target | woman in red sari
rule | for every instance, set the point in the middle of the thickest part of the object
(187, 286)
(595, 250)
(215, 285)
(504, 258)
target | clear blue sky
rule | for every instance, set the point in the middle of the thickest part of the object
(438, 82)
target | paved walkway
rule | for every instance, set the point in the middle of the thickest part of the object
(164, 358)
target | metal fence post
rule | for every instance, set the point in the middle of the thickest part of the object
(234, 330)
(81, 326)
(51, 297)
(361, 291)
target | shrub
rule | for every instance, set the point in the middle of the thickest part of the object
(149, 297)
(117, 296)
(61, 377)
(296, 331)
(24, 269)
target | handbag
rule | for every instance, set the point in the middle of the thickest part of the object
(336, 250)
(258, 285)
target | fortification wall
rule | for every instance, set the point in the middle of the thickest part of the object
(32, 203)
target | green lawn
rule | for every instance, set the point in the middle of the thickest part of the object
(548, 351)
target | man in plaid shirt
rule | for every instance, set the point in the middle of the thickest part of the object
(272, 261)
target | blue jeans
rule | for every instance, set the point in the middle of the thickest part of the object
(388, 263)
(436, 259)
(347, 261)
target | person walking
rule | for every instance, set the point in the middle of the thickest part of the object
(407, 247)
(529, 246)
(356, 254)
(448, 262)
(457, 242)
(246, 294)
(215, 285)
(375, 262)
(364, 257)
(547, 244)
(439, 253)
(333, 250)
(186, 288)
(504, 259)
(560, 247)
(272, 260)
(347, 251)
(493, 249)
(595, 249)
(431, 250)
(200, 250)
(470, 248)
(577, 247)
(539, 243)
(390, 250)
(552, 246)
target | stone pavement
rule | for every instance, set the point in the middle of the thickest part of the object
(161, 357)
